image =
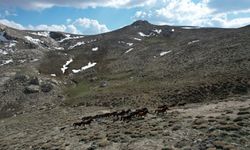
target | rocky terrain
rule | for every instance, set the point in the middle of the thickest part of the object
(50, 80)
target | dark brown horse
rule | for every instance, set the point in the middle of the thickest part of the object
(142, 112)
(161, 109)
(83, 123)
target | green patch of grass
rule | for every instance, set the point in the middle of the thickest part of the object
(78, 90)
(160, 41)
(120, 76)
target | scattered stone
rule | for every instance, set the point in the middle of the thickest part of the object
(240, 89)
(202, 126)
(34, 81)
(199, 121)
(177, 127)
(46, 87)
(240, 118)
(167, 148)
(181, 144)
(103, 84)
(21, 77)
(103, 142)
(93, 79)
(244, 109)
(229, 127)
(243, 113)
(228, 111)
(199, 116)
(223, 145)
(92, 147)
(211, 148)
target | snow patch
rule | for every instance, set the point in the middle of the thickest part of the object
(12, 44)
(22, 61)
(32, 40)
(68, 37)
(192, 42)
(2, 38)
(77, 44)
(137, 39)
(129, 50)
(3, 52)
(44, 34)
(158, 31)
(143, 35)
(34, 60)
(95, 49)
(90, 65)
(121, 42)
(130, 44)
(5, 62)
(53, 75)
(164, 53)
(65, 66)
(172, 30)
(59, 48)
(91, 41)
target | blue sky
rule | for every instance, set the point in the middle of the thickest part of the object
(98, 16)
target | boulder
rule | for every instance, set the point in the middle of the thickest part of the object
(31, 89)
(21, 77)
(46, 87)
(57, 35)
(34, 81)
(103, 84)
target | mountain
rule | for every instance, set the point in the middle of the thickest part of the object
(139, 65)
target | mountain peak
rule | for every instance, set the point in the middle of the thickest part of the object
(141, 23)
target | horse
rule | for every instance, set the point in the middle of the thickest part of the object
(161, 109)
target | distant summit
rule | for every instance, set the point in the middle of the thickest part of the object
(141, 23)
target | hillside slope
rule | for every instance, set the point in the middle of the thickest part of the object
(140, 87)
(140, 64)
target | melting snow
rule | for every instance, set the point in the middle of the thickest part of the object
(68, 37)
(143, 35)
(3, 52)
(22, 60)
(95, 49)
(53, 75)
(2, 38)
(91, 41)
(34, 60)
(59, 48)
(164, 53)
(32, 40)
(130, 44)
(65, 66)
(192, 42)
(44, 34)
(12, 44)
(5, 62)
(137, 39)
(121, 42)
(129, 50)
(77, 44)
(90, 65)
(157, 31)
